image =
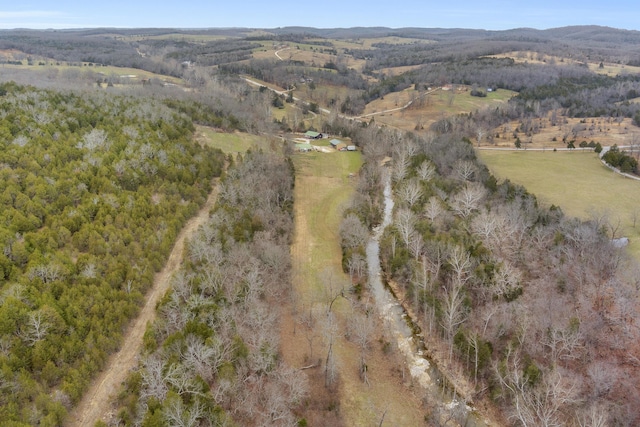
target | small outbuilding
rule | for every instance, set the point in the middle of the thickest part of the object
(335, 142)
(304, 148)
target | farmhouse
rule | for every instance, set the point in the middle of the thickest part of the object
(312, 135)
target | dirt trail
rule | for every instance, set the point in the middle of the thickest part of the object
(95, 403)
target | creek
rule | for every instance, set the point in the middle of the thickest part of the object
(405, 334)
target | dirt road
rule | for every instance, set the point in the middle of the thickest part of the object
(96, 402)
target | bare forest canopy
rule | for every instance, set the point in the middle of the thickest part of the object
(118, 46)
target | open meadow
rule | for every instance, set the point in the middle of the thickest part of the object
(229, 143)
(427, 108)
(577, 182)
(47, 69)
(607, 68)
(605, 131)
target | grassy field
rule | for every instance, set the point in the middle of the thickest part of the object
(432, 108)
(598, 129)
(367, 43)
(229, 143)
(89, 72)
(191, 38)
(322, 191)
(608, 69)
(309, 54)
(575, 181)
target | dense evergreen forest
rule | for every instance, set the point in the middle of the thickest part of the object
(94, 189)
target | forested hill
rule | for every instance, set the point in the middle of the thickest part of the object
(162, 50)
(95, 188)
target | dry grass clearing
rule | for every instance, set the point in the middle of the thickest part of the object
(531, 57)
(307, 53)
(575, 181)
(367, 43)
(322, 191)
(396, 71)
(190, 38)
(60, 69)
(432, 107)
(230, 143)
(598, 129)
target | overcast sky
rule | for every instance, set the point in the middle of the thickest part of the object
(481, 14)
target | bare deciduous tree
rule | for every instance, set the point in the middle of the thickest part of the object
(465, 170)
(329, 330)
(433, 208)
(47, 273)
(534, 404)
(468, 199)
(308, 320)
(153, 384)
(564, 343)
(361, 330)
(506, 279)
(596, 415)
(401, 162)
(179, 415)
(353, 232)
(410, 192)
(426, 171)
(357, 266)
(405, 221)
(36, 328)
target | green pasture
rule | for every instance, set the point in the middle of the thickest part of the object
(88, 70)
(237, 142)
(322, 191)
(464, 102)
(577, 182)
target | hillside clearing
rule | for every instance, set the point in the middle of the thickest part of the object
(428, 108)
(229, 143)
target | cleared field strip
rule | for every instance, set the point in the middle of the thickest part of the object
(322, 190)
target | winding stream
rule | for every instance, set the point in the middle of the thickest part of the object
(401, 328)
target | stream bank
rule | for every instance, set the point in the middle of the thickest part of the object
(401, 326)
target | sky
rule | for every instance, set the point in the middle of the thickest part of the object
(477, 14)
